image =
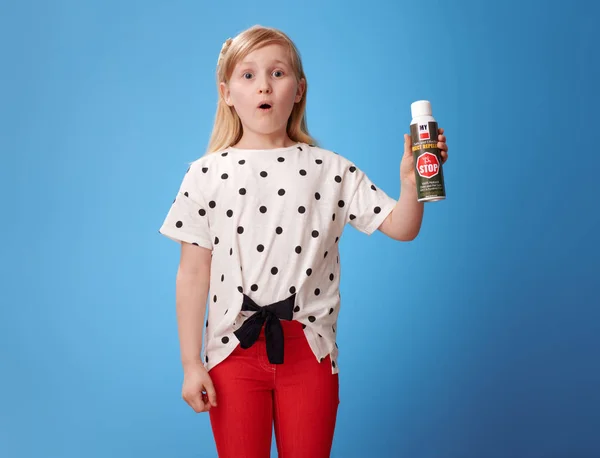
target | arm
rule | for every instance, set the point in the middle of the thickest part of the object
(192, 286)
(404, 222)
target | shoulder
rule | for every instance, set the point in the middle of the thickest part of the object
(202, 164)
(332, 157)
(340, 163)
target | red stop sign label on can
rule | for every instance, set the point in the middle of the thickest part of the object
(428, 165)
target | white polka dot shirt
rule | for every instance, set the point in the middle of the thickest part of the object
(273, 219)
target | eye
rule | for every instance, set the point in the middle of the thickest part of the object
(277, 73)
(247, 75)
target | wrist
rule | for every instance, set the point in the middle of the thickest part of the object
(408, 189)
(191, 363)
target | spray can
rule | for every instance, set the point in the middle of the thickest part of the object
(428, 160)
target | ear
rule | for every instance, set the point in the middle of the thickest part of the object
(225, 93)
(300, 90)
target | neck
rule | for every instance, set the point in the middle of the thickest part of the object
(251, 140)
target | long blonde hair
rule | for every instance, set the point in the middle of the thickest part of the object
(227, 129)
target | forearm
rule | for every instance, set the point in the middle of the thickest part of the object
(407, 215)
(191, 295)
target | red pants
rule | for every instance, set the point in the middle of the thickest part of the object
(300, 397)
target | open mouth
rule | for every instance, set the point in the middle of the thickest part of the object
(265, 106)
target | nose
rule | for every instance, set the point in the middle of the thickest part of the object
(264, 87)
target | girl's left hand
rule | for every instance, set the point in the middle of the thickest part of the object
(407, 166)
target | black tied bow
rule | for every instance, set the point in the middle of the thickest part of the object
(269, 315)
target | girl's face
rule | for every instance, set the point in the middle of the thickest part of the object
(263, 90)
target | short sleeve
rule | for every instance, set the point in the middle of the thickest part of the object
(187, 218)
(369, 205)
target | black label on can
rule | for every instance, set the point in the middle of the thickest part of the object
(428, 161)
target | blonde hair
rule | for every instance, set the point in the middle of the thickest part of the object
(227, 129)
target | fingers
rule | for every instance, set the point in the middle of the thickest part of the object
(443, 147)
(211, 393)
(407, 145)
(195, 402)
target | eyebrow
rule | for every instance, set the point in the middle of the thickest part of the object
(276, 61)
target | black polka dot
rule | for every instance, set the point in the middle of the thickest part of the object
(333, 217)
(207, 323)
(206, 358)
(317, 292)
(336, 239)
(331, 277)
(331, 310)
(216, 240)
(311, 319)
(317, 195)
(298, 249)
(242, 161)
(341, 203)
(377, 209)
(352, 217)
(263, 209)
(178, 224)
(197, 245)
(303, 326)
(315, 234)
(325, 255)
(318, 161)
(333, 364)
(230, 251)
(224, 154)
(338, 179)
(186, 194)
(204, 169)
(303, 172)
(215, 298)
(240, 230)
(222, 277)
(292, 289)
(309, 271)
(373, 187)
(225, 339)
(224, 176)
(274, 270)
(296, 309)
(212, 204)
(263, 174)
(301, 209)
(242, 191)
(240, 289)
(280, 159)
(281, 192)
(202, 212)
(260, 248)
(230, 213)
(352, 169)
(279, 230)
(254, 287)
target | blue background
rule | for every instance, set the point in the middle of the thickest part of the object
(478, 339)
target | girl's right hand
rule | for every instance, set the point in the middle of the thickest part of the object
(198, 390)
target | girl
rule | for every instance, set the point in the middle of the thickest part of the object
(259, 218)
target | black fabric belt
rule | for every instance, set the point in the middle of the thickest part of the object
(269, 316)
